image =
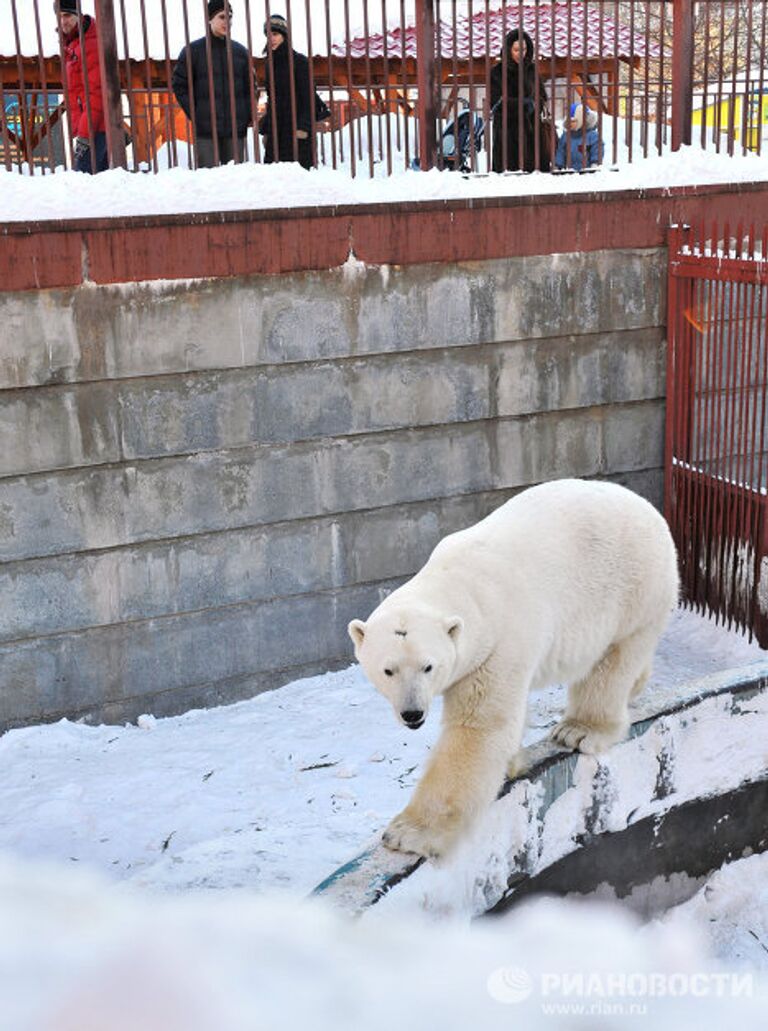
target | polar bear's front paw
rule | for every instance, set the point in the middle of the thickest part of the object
(571, 733)
(406, 835)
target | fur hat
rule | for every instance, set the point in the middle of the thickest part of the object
(215, 6)
(66, 6)
(276, 23)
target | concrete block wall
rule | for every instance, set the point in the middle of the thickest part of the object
(201, 482)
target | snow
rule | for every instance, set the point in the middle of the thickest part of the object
(274, 792)
(76, 955)
(251, 186)
(139, 865)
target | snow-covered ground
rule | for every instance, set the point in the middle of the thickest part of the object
(274, 793)
(118, 193)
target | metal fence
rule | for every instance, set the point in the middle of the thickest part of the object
(716, 490)
(376, 86)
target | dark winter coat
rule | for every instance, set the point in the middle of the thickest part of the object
(506, 105)
(76, 70)
(200, 91)
(279, 105)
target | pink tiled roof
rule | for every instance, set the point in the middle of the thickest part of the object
(561, 27)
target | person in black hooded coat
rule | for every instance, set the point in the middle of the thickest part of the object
(277, 126)
(505, 105)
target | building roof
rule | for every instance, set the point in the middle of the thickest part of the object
(557, 29)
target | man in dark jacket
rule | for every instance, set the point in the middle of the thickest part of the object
(85, 105)
(287, 124)
(191, 85)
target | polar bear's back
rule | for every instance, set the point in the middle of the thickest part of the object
(570, 546)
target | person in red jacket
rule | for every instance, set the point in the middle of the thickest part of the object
(78, 38)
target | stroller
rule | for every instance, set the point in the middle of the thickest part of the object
(455, 145)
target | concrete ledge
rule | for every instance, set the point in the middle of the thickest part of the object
(566, 801)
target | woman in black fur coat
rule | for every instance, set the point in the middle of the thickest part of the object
(506, 107)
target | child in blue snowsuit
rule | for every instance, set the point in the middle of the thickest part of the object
(583, 120)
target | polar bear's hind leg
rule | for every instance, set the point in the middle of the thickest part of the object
(597, 715)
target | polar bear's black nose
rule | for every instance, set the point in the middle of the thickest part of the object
(413, 718)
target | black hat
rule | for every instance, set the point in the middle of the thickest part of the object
(214, 6)
(66, 6)
(276, 23)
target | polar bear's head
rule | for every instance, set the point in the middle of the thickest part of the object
(409, 656)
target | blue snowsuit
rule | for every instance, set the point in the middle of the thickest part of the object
(595, 149)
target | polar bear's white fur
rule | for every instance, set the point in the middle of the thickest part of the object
(569, 582)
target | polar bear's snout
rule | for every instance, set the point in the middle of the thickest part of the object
(413, 718)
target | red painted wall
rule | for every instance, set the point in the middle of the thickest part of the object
(37, 255)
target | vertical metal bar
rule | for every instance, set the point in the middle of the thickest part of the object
(329, 46)
(682, 73)
(350, 82)
(705, 88)
(170, 121)
(109, 69)
(520, 72)
(129, 90)
(616, 82)
(487, 83)
(270, 69)
(720, 72)
(471, 86)
(570, 94)
(439, 79)
(86, 88)
(311, 73)
(231, 92)
(251, 86)
(211, 86)
(385, 56)
(65, 90)
(457, 159)
(6, 137)
(368, 113)
(404, 74)
(646, 79)
(150, 103)
(291, 82)
(425, 64)
(23, 115)
(44, 85)
(745, 100)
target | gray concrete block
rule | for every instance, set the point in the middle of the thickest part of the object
(580, 371)
(120, 667)
(74, 592)
(634, 436)
(106, 506)
(175, 327)
(58, 428)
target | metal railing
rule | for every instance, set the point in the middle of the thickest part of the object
(376, 86)
(716, 470)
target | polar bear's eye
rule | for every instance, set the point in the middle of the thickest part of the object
(388, 672)
(428, 668)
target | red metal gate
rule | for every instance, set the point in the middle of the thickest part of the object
(716, 467)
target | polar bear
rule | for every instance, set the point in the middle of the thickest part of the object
(571, 581)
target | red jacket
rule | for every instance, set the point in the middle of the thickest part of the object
(76, 105)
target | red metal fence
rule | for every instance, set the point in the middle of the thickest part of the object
(403, 81)
(716, 490)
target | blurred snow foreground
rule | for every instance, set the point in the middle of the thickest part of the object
(80, 954)
(266, 793)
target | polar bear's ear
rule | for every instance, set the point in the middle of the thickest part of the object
(453, 626)
(356, 631)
